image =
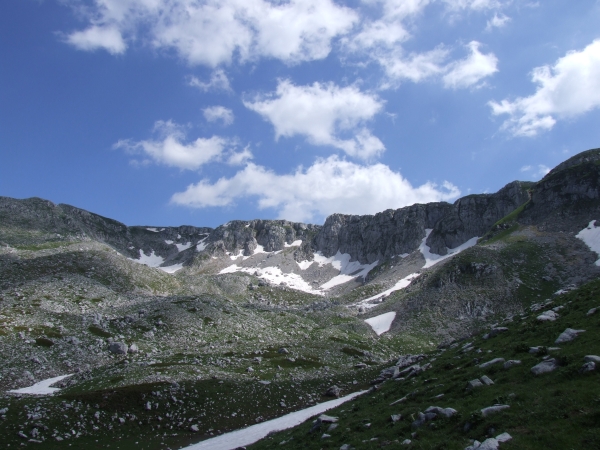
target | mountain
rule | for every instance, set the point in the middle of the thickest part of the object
(198, 330)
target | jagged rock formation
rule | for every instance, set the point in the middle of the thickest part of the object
(567, 196)
(396, 232)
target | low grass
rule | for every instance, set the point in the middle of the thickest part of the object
(557, 410)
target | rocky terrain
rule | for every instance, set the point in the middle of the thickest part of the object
(183, 333)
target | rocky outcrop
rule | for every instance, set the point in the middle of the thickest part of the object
(568, 197)
(395, 232)
(246, 236)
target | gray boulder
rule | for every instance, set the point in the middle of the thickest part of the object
(485, 412)
(474, 384)
(589, 366)
(592, 358)
(511, 363)
(446, 412)
(333, 391)
(568, 335)
(547, 316)
(486, 380)
(133, 348)
(118, 348)
(491, 363)
(546, 366)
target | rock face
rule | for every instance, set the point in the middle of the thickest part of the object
(567, 195)
(395, 232)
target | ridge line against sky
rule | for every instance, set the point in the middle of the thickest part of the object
(202, 111)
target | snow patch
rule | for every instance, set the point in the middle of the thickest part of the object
(381, 323)
(233, 256)
(182, 247)
(276, 276)
(297, 243)
(432, 259)
(201, 245)
(304, 264)
(41, 388)
(172, 269)
(404, 282)
(591, 237)
(169, 242)
(247, 436)
(348, 270)
(151, 260)
(154, 230)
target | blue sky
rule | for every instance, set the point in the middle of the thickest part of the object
(170, 112)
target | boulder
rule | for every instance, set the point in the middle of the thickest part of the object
(446, 412)
(474, 384)
(118, 348)
(592, 358)
(133, 348)
(485, 412)
(546, 366)
(511, 363)
(491, 363)
(547, 316)
(568, 335)
(333, 391)
(589, 366)
(486, 380)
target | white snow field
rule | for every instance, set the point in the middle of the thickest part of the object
(201, 245)
(404, 282)
(41, 388)
(276, 276)
(182, 247)
(381, 323)
(154, 230)
(151, 260)
(297, 243)
(591, 237)
(172, 269)
(348, 270)
(247, 436)
(431, 258)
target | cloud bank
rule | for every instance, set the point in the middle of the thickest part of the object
(569, 88)
(328, 186)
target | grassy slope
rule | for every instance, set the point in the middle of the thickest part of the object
(558, 410)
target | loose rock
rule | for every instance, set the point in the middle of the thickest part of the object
(546, 366)
(485, 412)
(568, 335)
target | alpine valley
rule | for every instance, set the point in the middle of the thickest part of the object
(469, 325)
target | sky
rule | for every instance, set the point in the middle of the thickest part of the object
(197, 112)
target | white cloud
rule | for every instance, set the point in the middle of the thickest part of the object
(240, 158)
(536, 172)
(469, 71)
(213, 32)
(322, 112)
(218, 82)
(457, 5)
(569, 88)
(498, 21)
(215, 113)
(170, 148)
(415, 67)
(95, 37)
(328, 186)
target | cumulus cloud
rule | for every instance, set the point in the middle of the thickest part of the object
(457, 5)
(328, 186)
(569, 88)
(322, 113)
(213, 32)
(471, 70)
(536, 172)
(95, 37)
(171, 148)
(498, 21)
(216, 113)
(218, 82)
